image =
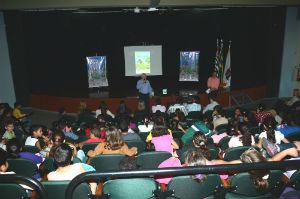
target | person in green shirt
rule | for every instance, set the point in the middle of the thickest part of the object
(9, 131)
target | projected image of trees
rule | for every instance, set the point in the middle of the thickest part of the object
(142, 62)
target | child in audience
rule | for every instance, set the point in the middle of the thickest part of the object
(127, 163)
(238, 114)
(94, 137)
(241, 137)
(158, 121)
(199, 143)
(123, 128)
(259, 177)
(14, 150)
(147, 124)
(9, 131)
(230, 131)
(57, 138)
(261, 113)
(62, 126)
(196, 158)
(102, 109)
(114, 144)
(36, 132)
(24, 118)
(249, 117)
(63, 156)
(269, 125)
(162, 139)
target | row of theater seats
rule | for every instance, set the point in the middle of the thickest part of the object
(183, 187)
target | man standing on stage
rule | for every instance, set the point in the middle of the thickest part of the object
(145, 90)
(213, 83)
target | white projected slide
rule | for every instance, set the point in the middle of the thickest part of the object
(143, 59)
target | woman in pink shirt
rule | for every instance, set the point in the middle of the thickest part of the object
(213, 83)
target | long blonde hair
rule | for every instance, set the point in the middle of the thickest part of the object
(82, 107)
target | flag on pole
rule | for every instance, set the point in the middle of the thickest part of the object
(221, 60)
(227, 69)
(217, 58)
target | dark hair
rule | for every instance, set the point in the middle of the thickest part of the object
(57, 137)
(269, 125)
(114, 139)
(147, 120)
(246, 138)
(181, 116)
(173, 125)
(217, 108)
(63, 155)
(34, 128)
(179, 100)
(221, 112)
(122, 107)
(61, 125)
(209, 121)
(195, 158)
(238, 108)
(158, 121)
(103, 107)
(159, 130)
(261, 107)
(8, 122)
(13, 148)
(232, 127)
(211, 97)
(257, 176)
(3, 157)
(158, 102)
(200, 140)
(251, 117)
(61, 110)
(17, 104)
(127, 163)
(123, 124)
(196, 99)
(101, 116)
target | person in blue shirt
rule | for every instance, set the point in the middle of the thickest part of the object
(145, 90)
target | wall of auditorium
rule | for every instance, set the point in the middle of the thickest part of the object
(289, 57)
(50, 48)
(7, 92)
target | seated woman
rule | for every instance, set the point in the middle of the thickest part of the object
(102, 109)
(122, 110)
(63, 156)
(140, 112)
(114, 144)
(241, 137)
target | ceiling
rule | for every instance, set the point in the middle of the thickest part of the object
(69, 4)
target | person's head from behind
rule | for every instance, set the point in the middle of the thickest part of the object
(211, 98)
(7, 113)
(249, 116)
(82, 107)
(63, 155)
(221, 113)
(113, 138)
(233, 127)
(9, 125)
(179, 100)
(174, 125)
(141, 105)
(3, 161)
(269, 124)
(259, 177)
(196, 100)
(261, 107)
(62, 111)
(17, 105)
(214, 74)
(61, 125)
(36, 131)
(122, 106)
(102, 106)
(246, 134)
(158, 121)
(200, 142)
(95, 133)
(13, 148)
(195, 158)
(181, 117)
(159, 130)
(127, 163)
(123, 125)
(216, 109)
(158, 101)
(146, 120)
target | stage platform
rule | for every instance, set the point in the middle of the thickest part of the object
(53, 103)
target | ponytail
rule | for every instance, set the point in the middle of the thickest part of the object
(200, 140)
(270, 125)
(246, 138)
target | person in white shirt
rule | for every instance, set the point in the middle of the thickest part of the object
(147, 125)
(102, 109)
(158, 106)
(178, 105)
(195, 105)
(211, 105)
